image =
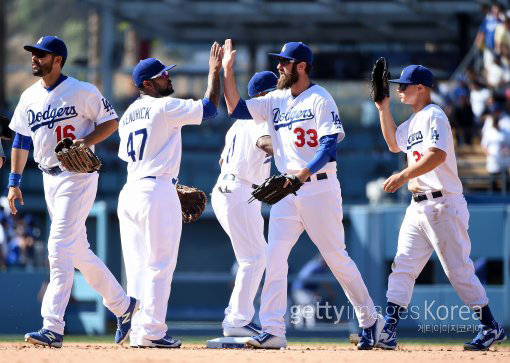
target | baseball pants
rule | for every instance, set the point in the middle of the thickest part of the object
(317, 208)
(439, 225)
(69, 197)
(150, 229)
(245, 226)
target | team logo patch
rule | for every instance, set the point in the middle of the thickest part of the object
(434, 135)
(107, 105)
(336, 120)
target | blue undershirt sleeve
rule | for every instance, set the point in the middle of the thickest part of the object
(210, 110)
(21, 142)
(325, 153)
(241, 111)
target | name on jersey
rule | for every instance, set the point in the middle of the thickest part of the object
(141, 113)
(286, 119)
(414, 139)
(50, 116)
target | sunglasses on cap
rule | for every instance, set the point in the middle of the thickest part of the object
(164, 75)
(39, 53)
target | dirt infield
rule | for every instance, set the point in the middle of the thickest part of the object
(297, 352)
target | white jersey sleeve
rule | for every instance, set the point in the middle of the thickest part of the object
(184, 112)
(260, 108)
(98, 108)
(18, 123)
(259, 130)
(328, 120)
(436, 134)
(401, 136)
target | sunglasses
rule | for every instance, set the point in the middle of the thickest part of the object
(285, 61)
(39, 53)
(164, 75)
(403, 86)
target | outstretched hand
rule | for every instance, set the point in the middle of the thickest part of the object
(228, 55)
(215, 57)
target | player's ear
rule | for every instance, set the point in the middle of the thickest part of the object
(147, 84)
(301, 66)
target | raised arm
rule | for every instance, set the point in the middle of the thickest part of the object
(213, 79)
(232, 96)
(388, 125)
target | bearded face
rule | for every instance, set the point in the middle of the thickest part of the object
(43, 66)
(164, 87)
(286, 80)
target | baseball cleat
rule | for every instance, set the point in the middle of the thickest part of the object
(124, 321)
(370, 336)
(248, 330)
(166, 342)
(45, 337)
(267, 341)
(487, 336)
(388, 337)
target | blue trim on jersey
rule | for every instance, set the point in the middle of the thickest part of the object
(325, 153)
(21, 142)
(210, 110)
(414, 143)
(241, 111)
(60, 79)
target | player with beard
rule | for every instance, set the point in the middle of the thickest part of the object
(54, 107)
(149, 209)
(305, 127)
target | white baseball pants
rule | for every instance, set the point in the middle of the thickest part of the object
(150, 229)
(245, 226)
(439, 225)
(69, 197)
(317, 208)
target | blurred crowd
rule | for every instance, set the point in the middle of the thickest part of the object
(479, 102)
(20, 242)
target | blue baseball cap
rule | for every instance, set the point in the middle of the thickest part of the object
(415, 74)
(297, 51)
(262, 82)
(147, 69)
(50, 44)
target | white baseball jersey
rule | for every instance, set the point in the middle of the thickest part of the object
(72, 109)
(428, 128)
(297, 124)
(241, 156)
(497, 144)
(150, 135)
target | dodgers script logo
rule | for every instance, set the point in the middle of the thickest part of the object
(286, 119)
(414, 139)
(50, 116)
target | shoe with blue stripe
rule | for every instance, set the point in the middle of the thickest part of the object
(487, 336)
(248, 330)
(166, 342)
(267, 341)
(388, 337)
(124, 321)
(45, 337)
(370, 336)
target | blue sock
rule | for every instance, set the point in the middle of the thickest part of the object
(485, 316)
(393, 312)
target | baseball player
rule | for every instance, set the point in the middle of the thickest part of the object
(149, 209)
(245, 164)
(55, 107)
(304, 127)
(437, 218)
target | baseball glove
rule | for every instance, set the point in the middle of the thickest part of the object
(271, 191)
(78, 159)
(193, 202)
(380, 75)
(5, 131)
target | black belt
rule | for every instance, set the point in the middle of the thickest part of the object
(174, 181)
(51, 171)
(421, 197)
(233, 177)
(320, 176)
